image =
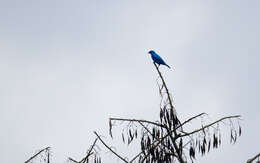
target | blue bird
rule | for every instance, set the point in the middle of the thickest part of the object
(157, 59)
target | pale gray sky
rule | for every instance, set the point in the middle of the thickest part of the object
(67, 66)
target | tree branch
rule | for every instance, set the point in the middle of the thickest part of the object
(109, 147)
(89, 152)
(252, 159)
(137, 120)
(172, 109)
(164, 84)
(71, 159)
(190, 120)
(202, 128)
(47, 148)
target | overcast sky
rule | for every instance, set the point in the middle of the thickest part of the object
(66, 66)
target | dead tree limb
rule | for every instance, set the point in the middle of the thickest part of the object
(72, 160)
(254, 158)
(200, 129)
(34, 156)
(109, 147)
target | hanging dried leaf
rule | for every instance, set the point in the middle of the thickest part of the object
(196, 142)
(214, 141)
(180, 146)
(142, 144)
(192, 153)
(209, 145)
(151, 150)
(204, 141)
(172, 114)
(110, 128)
(153, 133)
(148, 142)
(231, 137)
(157, 153)
(240, 131)
(158, 134)
(161, 115)
(201, 150)
(123, 138)
(168, 117)
(131, 135)
(168, 143)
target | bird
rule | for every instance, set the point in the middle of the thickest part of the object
(157, 59)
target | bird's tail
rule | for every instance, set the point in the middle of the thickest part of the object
(167, 65)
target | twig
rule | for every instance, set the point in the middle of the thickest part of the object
(47, 148)
(89, 152)
(48, 157)
(190, 119)
(202, 128)
(71, 159)
(252, 159)
(136, 120)
(164, 84)
(172, 109)
(109, 147)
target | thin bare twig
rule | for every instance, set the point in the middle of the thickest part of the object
(190, 119)
(31, 158)
(137, 120)
(252, 159)
(202, 128)
(172, 109)
(83, 160)
(89, 151)
(109, 147)
(164, 84)
(71, 159)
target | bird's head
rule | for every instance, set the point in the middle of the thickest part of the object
(151, 52)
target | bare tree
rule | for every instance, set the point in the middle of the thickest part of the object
(166, 140)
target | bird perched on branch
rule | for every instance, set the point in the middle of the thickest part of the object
(157, 59)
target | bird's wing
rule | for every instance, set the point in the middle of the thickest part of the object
(159, 59)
